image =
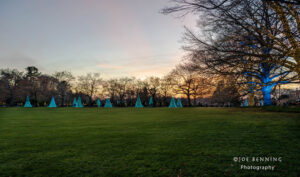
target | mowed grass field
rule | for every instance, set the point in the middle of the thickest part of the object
(146, 142)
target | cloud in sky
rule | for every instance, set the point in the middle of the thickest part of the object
(113, 37)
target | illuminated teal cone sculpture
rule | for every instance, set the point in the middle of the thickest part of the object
(246, 103)
(75, 105)
(27, 103)
(108, 103)
(172, 103)
(79, 104)
(52, 103)
(98, 103)
(179, 104)
(150, 102)
(138, 103)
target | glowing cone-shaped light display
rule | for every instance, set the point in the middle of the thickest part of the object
(27, 103)
(172, 103)
(52, 103)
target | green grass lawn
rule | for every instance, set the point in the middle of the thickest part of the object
(146, 142)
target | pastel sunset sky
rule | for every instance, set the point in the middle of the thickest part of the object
(113, 37)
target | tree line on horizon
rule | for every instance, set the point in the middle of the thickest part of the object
(192, 88)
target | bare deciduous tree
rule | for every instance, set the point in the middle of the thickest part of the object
(153, 88)
(89, 84)
(10, 83)
(184, 82)
(246, 38)
(166, 87)
(64, 79)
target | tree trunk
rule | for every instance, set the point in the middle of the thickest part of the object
(35, 97)
(266, 90)
(189, 100)
(62, 100)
